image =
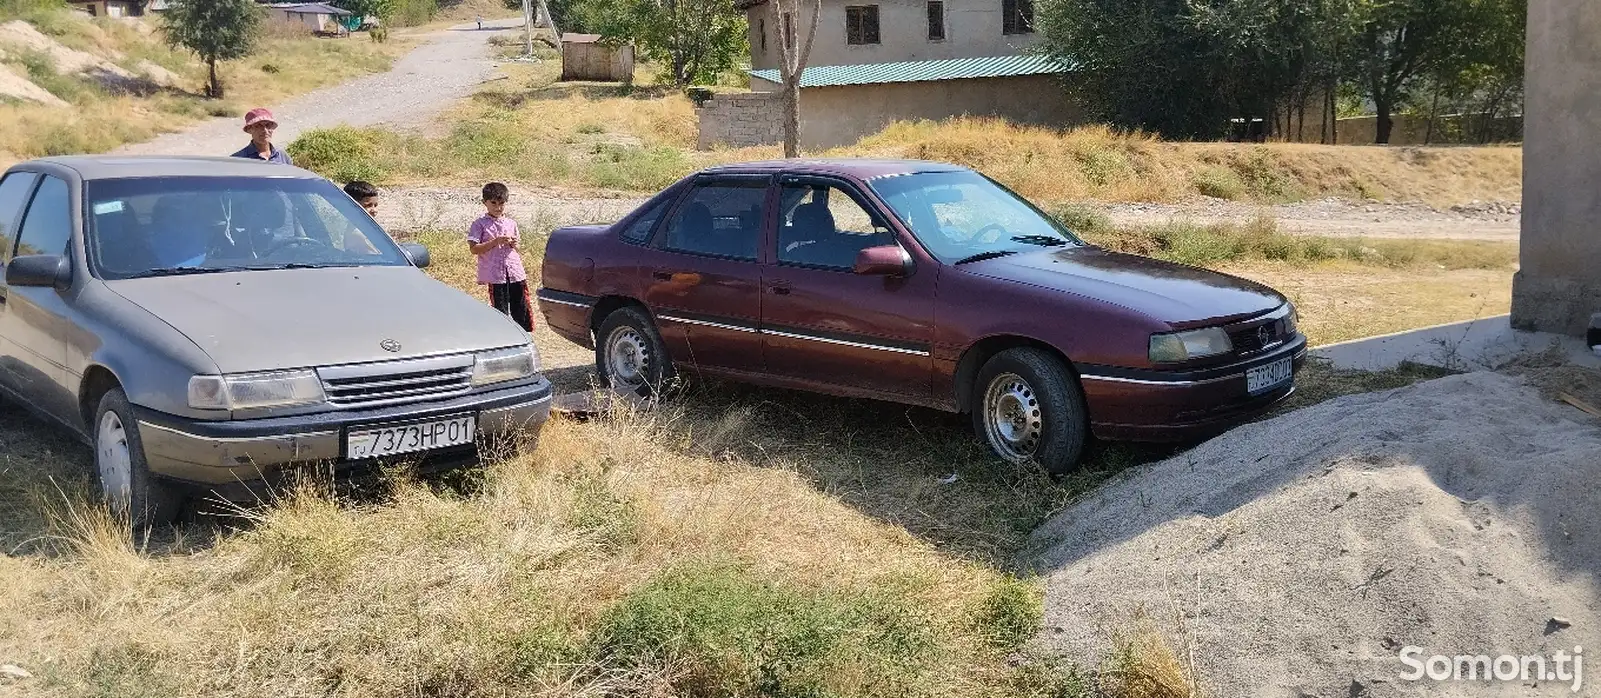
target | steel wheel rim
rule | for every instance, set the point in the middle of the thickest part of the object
(627, 358)
(1012, 417)
(113, 461)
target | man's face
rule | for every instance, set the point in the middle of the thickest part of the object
(371, 204)
(262, 132)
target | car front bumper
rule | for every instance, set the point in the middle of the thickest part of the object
(232, 452)
(1183, 407)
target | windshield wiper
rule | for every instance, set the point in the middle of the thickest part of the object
(180, 271)
(992, 254)
(1041, 240)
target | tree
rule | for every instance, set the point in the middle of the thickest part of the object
(792, 58)
(381, 10)
(693, 40)
(215, 30)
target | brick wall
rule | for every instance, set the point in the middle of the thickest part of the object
(741, 119)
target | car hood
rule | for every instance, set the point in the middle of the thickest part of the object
(297, 318)
(1174, 293)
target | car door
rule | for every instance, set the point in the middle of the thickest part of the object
(15, 189)
(822, 322)
(35, 323)
(702, 274)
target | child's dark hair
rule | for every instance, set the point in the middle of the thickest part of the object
(495, 191)
(359, 190)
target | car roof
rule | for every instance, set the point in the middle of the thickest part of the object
(93, 167)
(860, 168)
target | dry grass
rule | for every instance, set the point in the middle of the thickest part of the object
(636, 555)
(99, 121)
(1098, 163)
(636, 138)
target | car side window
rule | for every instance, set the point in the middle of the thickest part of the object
(639, 231)
(720, 220)
(822, 226)
(13, 194)
(47, 227)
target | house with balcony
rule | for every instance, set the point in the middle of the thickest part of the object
(874, 62)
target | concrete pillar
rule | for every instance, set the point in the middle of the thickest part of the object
(1558, 285)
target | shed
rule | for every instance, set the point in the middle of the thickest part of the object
(315, 16)
(584, 57)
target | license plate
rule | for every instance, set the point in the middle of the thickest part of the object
(389, 440)
(1267, 376)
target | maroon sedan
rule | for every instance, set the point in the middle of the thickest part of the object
(920, 283)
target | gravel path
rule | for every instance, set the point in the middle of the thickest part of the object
(448, 67)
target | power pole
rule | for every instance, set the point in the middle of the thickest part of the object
(550, 19)
(527, 29)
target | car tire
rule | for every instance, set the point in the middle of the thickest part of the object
(629, 354)
(1028, 408)
(130, 490)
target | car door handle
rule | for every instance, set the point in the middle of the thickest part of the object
(780, 288)
(661, 275)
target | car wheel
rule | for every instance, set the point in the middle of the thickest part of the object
(629, 354)
(126, 483)
(1029, 409)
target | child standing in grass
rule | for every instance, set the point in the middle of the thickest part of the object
(493, 240)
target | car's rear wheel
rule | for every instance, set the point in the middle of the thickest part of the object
(1028, 408)
(629, 354)
(130, 490)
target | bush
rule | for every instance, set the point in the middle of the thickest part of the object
(1082, 220)
(1220, 182)
(341, 154)
(1010, 614)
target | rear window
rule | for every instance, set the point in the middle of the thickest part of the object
(177, 225)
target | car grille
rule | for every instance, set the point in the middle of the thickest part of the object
(397, 382)
(1253, 339)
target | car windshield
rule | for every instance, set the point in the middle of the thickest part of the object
(963, 216)
(159, 226)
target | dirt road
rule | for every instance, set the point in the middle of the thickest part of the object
(447, 67)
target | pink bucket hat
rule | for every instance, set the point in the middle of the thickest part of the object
(257, 116)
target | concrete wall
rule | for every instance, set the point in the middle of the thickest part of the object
(597, 62)
(1558, 284)
(741, 119)
(836, 116)
(972, 29)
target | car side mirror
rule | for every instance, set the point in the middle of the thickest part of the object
(418, 254)
(883, 260)
(39, 270)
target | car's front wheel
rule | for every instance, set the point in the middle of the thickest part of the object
(1029, 409)
(130, 490)
(629, 354)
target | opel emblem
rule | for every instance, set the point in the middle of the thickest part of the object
(390, 345)
(1263, 335)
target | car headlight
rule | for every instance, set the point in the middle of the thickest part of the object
(244, 391)
(504, 365)
(1292, 321)
(1174, 347)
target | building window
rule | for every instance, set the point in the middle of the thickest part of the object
(789, 30)
(936, 20)
(761, 28)
(1017, 16)
(861, 25)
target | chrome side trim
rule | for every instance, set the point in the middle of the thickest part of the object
(705, 323)
(234, 439)
(844, 343)
(574, 304)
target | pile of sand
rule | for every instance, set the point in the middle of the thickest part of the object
(1460, 515)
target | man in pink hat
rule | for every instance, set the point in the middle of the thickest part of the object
(260, 125)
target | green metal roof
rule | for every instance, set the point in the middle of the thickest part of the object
(920, 71)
